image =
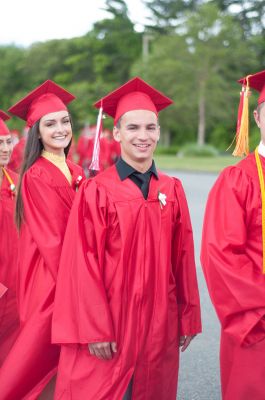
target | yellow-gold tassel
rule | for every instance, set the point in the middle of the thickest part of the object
(8, 177)
(242, 141)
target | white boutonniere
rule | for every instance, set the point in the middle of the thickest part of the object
(78, 182)
(12, 187)
(162, 199)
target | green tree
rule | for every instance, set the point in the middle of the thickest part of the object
(11, 77)
(89, 66)
(119, 43)
(250, 14)
(166, 15)
(199, 69)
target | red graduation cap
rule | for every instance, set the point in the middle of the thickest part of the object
(257, 82)
(4, 131)
(46, 98)
(135, 94)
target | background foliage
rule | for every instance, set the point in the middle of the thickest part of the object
(193, 50)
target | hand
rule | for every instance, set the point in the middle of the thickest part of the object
(184, 342)
(103, 350)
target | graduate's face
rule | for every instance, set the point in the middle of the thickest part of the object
(138, 135)
(55, 131)
(6, 147)
(259, 116)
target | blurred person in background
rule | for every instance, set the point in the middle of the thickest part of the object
(18, 152)
(9, 320)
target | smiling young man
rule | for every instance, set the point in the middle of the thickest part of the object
(233, 260)
(127, 295)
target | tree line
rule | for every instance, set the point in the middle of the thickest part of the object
(193, 50)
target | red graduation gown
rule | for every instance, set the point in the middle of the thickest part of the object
(115, 150)
(109, 152)
(128, 277)
(9, 320)
(84, 150)
(232, 262)
(47, 198)
(17, 155)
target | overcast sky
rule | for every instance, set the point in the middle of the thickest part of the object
(24, 22)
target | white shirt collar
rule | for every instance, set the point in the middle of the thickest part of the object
(261, 149)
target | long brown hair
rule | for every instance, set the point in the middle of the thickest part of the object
(32, 152)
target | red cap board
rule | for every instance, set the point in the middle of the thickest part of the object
(4, 131)
(45, 99)
(257, 82)
(136, 94)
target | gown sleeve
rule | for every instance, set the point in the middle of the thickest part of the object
(82, 314)
(44, 215)
(235, 285)
(184, 267)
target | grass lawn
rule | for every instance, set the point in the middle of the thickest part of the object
(200, 164)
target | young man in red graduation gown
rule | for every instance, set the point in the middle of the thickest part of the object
(233, 259)
(9, 320)
(127, 293)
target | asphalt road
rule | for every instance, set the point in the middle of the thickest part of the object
(199, 365)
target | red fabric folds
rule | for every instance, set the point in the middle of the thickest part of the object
(17, 155)
(33, 360)
(9, 320)
(231, 257)
(129, 277)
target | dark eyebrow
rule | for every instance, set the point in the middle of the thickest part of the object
(54, 120)
(149, 125)
(49, 120)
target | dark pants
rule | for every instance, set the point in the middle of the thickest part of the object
(128, 393)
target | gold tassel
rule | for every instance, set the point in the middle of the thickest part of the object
(8, 177)
(242, 136)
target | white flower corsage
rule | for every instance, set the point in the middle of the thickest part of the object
(162, 199)
(78, 181)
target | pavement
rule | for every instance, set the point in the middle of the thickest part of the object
(199, 364)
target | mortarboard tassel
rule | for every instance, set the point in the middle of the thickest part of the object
(8, 177)
(242, 142)
(96, 150)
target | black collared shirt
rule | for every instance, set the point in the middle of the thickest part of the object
(142, 180)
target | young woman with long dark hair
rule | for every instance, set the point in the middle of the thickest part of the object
(46, 190)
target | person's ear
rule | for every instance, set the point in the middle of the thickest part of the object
(116, 134)
(256, 117)
(158, 133)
